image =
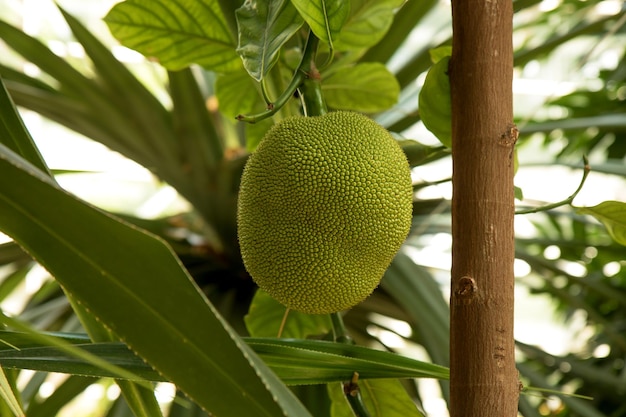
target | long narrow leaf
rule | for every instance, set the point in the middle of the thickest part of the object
(13, 133)
(148, 116)
(295, 361)
(7, 394)
(159, 312)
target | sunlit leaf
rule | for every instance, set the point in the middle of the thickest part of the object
(264, 27)
(367, 23)
(177, 33)
(613, 215)
(266, 315)
(367, 87)
(324, 17)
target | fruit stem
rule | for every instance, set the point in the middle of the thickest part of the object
(300, 76)
(339, 329)
(311, 93)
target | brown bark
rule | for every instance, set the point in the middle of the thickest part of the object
(483, 378)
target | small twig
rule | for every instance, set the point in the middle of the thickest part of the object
(299, 76)
(568, 200)
(353, 393)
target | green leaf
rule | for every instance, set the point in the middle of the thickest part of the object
(133, 100)
(367, 23)
(7, 394)
(177, 33)
(231, 101)
(437, 54)
(367, 88)
(315, 361)
(324, 17)
(382, 398)
(613, 215)
(14, 135)
(435, 105)
(417, 153)
(266, 315)
(98, 258)
(264, 27)
(295, 361)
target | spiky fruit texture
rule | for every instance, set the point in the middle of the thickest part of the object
(324, 205)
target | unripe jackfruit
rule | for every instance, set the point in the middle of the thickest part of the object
(324, 205)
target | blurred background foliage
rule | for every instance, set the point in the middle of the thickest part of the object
(125, 134)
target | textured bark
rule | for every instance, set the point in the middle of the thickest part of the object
(483, 380)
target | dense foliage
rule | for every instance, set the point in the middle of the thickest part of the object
(218, 60)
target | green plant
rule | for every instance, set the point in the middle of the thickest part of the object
(132, 281)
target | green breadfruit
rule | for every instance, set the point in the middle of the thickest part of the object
(324, 205)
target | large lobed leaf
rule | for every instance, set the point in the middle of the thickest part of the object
(367, 23)
(176, 32)
(366, 87)
(324, 17)
(264, 27)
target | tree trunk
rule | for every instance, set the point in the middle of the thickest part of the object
(483, 377)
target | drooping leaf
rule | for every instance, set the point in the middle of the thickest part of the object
(98, 258)
(266, 315)
(177, 33)
(367, 23)
(613, 215)
(324, 17)
(264, 27)
(366, 87)
(435, 106)
(381, 397)
(126, 92)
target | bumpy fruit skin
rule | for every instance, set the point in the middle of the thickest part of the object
(324, 205)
